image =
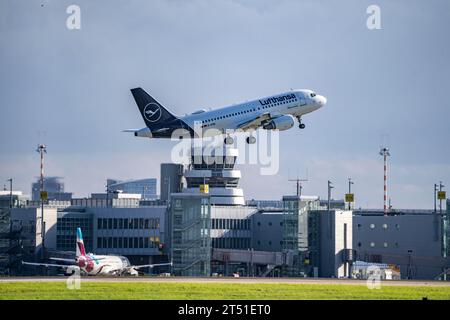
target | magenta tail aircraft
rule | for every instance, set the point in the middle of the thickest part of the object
(97, 265)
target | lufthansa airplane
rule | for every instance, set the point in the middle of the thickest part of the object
(95, 265)
(277, 112)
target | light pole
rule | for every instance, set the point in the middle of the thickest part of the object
(435, 197)
(440, 200)
(330, 186)
(350, 182)
(10, 193)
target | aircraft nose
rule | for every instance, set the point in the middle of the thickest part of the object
(322, 100)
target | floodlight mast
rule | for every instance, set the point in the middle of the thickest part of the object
(385, 153)
(41, 149)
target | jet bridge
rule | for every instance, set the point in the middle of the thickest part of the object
(258, 263)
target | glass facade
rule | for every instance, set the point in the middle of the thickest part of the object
(191, 240)
(67, 224)
(300, 234)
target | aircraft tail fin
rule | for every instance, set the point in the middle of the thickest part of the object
(80, 250)
(154, 114)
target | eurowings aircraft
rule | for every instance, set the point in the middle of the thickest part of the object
(97, 265)
(277, 112)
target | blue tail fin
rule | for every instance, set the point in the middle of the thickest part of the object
(154, 114)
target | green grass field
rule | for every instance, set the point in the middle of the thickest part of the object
(198, 291)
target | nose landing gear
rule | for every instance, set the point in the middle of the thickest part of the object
(300, 124)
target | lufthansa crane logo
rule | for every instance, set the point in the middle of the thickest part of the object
(152, 112)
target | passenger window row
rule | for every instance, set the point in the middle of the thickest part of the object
(244, 112)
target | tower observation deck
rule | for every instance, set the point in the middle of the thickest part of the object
(215, 168)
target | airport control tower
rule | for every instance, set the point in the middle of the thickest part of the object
(215, 168)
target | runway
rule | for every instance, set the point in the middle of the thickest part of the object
(310, 281)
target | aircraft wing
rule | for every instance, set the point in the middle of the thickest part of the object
(63, 259)
(254, 123)
(150, 265)
(48, 264)
(120, 270)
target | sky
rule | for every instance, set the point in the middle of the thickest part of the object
(69, 89)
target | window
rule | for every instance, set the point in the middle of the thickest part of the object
(99, 224)
(110, 223)
(385, 244)
(359, 244)
(114, 242)
(141, 243)
(125, 243)
(136, 223)
(312, 95)
(372, 226)
(270, 223)
(397, 226)
(372, 244)
(135, 243)
(119, 245)
(109, 242)
(146, 223)
(120, 223)
(115, 223)
(141, 223)
(385, 226)
(99, 242)
(259, 223)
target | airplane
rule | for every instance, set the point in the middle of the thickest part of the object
(277, 112)
(95, 265)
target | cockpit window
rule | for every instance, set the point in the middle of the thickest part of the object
(312, 95)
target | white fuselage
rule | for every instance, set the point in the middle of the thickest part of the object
(102, 265)
(295, 103)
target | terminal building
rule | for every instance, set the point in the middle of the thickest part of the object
(218, 233)
(145, 187)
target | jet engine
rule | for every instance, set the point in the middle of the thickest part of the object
(281, 123)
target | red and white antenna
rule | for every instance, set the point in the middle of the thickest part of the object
(385, 153)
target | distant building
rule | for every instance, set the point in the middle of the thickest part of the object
(171, 179)
(54, 187)
(14, 199)
(145, 187)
